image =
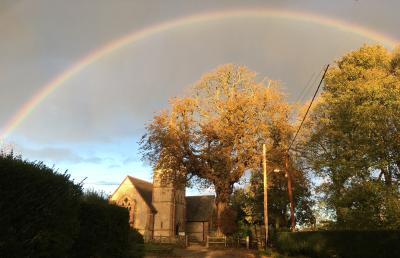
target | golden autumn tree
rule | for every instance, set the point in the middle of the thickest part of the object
(215, 133)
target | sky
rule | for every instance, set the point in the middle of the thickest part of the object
(90, 124)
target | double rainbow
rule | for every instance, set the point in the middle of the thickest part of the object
(136, 36)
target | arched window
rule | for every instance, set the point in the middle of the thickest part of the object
(131, 206)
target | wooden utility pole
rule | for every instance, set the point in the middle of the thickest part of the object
(265, 194)
(289, 177)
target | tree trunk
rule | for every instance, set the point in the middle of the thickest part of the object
(223, 193)
(221, 206)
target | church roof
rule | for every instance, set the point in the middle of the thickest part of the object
(145, 190)
(199, 208)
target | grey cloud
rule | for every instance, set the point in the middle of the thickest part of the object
(115, 96)
(114, 166)
(92, 160)
(131, 160)
(118, 95)
(103, 182)
(55, 154)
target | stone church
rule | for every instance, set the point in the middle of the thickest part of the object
(157, 209)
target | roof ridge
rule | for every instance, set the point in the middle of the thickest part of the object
(145, 190)
(138, 179)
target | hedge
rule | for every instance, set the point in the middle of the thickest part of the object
(340, 243)
(44, 214)
(104, 230)
(38, 210)
(136, 241)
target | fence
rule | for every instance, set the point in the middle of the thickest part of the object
(215, 240)
(238, 242)
(246, 242)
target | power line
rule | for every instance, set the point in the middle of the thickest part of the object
(309, 89)
(300, 95)
(308, 109)
(306, 87)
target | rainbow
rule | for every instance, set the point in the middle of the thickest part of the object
(136, 36)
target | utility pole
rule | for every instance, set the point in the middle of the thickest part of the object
(289, 176)
(265, 194)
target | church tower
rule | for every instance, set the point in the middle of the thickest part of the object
(169, 201)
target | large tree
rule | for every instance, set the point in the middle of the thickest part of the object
(216, 132)
(353, 141)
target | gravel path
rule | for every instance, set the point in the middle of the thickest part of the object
(198, 251)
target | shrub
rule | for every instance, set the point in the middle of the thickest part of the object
(136, 242)
(229, 224)
(340, 243)
(39, 209)
(44, 214)
(104, 228)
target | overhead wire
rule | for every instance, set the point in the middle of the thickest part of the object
(308, 109)
(307, 91)
(306, 86)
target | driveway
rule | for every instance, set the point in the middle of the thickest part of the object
(198, 251)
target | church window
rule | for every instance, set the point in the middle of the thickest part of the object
(131, 206)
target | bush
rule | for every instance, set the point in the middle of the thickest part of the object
(38, 209)
(44, 214)
(136, 242)
(229, 224)
(340, 243)
(104, 229)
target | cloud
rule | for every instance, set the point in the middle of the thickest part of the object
(103, 182)
(56, 154)
(114, 166)
(117, 95)
(131, 160)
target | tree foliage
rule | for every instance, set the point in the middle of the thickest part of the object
(215, 133)
(353, 138)
(250, 201)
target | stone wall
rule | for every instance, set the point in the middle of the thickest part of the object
(139, 211)
(170, 206)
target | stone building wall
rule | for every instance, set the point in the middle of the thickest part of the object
(140, 214)
(170, 206)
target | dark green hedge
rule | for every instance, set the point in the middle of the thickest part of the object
(38, 210)
(104, 230)
(136, 241)
(44, 214)
(340, 243)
